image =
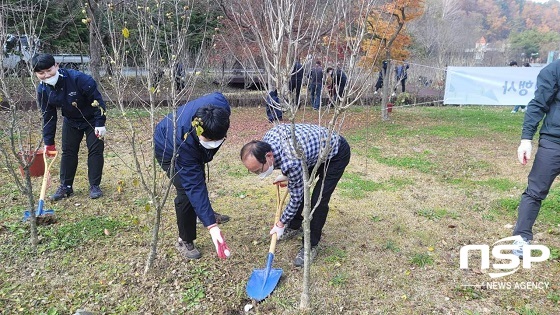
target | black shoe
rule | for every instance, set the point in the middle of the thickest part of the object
(95, 192)
(290, 233)
(188, 250)
(220, 218)
(298, 262)
(62, 192)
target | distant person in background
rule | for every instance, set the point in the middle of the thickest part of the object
(517, 107)
(339, 83)
(316, 85)
(179, 77)
(401, 73)
(379, 83)
(329, 83)
(296, 80)
(273, 111)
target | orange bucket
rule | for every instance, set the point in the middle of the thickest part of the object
(36, 169)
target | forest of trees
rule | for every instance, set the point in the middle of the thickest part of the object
(520, 28)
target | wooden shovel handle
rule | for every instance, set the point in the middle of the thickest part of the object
(47, 169)
(279, 206)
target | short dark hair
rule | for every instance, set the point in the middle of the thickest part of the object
(215, 121)
(329, 69)
(256, 148)
(41, 62)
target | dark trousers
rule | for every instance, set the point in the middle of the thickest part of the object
(331, 172)
(403, 85)
(545, 169)
(186, 216)
(71, 139)
(315, 94)
(296, 85)
(337, 92)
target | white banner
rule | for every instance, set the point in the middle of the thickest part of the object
(490, 85)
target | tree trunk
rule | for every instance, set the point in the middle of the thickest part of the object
(304, 303)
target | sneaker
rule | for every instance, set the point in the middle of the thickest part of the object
(513, 111)
(523, 110)
(220, 218)
(290, 233)
(519, 250)
(62, 192)
(95, 192)
(298, 262)
(375, 93)
(188, 250)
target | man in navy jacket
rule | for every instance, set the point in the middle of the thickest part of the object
(544, 110)
(182, 151)
(83, 109)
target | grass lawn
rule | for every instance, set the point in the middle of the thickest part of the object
(418, 188)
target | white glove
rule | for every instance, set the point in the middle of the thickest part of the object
(278, 230)
(281, 180)
(524, 151)
(221, 247)
(100, 132)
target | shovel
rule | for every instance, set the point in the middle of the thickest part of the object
(41, 213)
(263, 281)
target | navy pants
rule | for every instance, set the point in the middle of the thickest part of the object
(545, 169)
(331, 172)
(315, 94)
(71, 138)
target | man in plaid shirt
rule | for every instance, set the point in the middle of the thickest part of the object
(276, 151)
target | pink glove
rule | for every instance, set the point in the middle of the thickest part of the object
(221, 247)
(50, 150)
(278, 230)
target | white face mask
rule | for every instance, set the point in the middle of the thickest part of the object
(52, 80)
(211, 144)
(265, 174)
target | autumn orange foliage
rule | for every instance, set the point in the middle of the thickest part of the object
(387, 29)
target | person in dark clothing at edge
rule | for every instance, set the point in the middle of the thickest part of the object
(316, 85)
(545, 107)
(273, 112)
(401, 74)
(83, 109)
(379, 83)
(338, 82)
(296, 80)
(201, 128)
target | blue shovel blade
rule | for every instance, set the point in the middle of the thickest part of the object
(263, 281)
(39, 212)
